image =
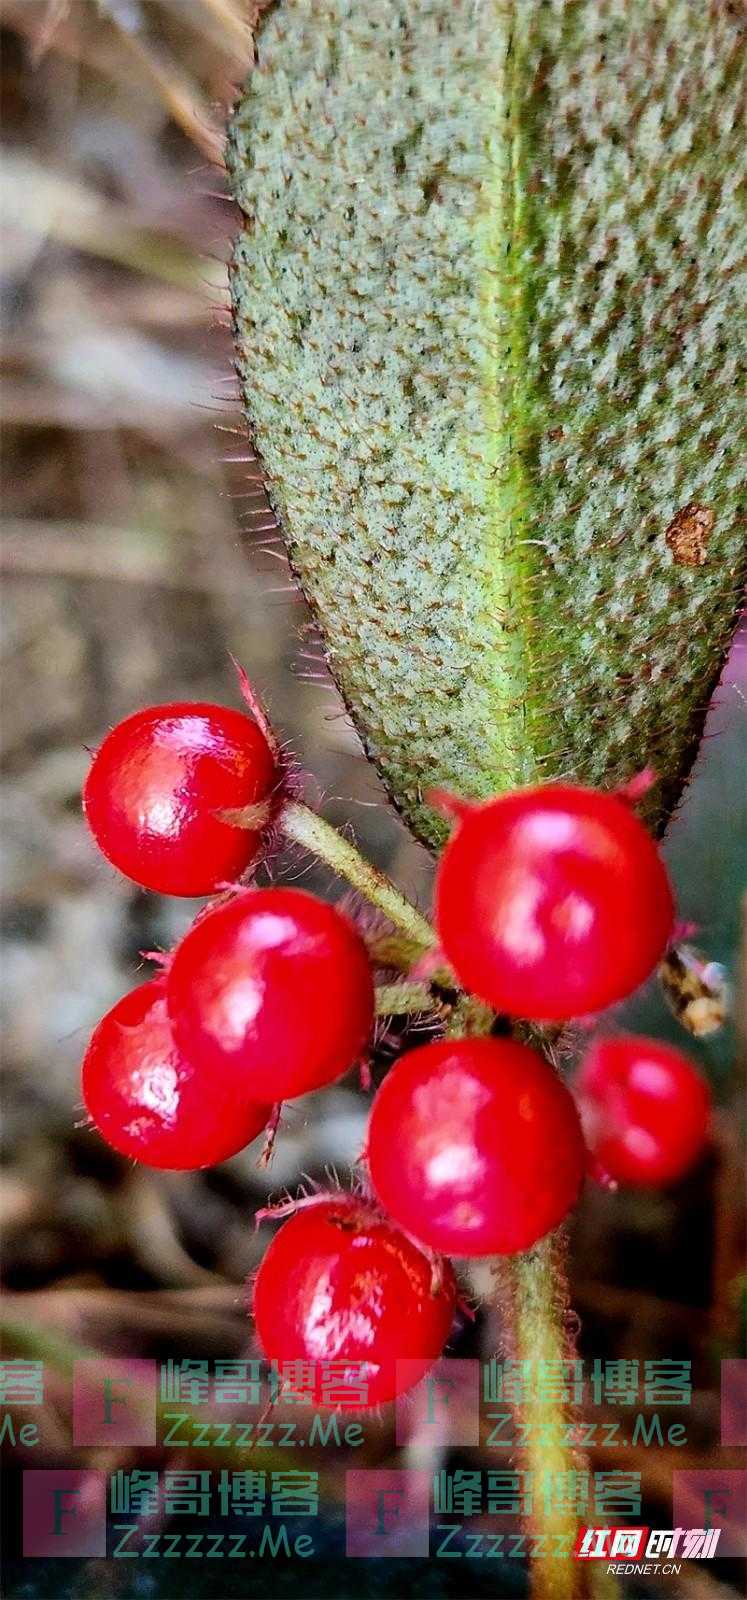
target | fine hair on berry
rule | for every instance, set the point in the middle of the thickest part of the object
(645, 1108)
(163, 791)
(341, 1284)
(475, 1146)
(552, 902)
(272, 991)
(153, 1104)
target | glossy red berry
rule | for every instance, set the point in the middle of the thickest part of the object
(158, 786)
(273, 992)
(645, 1109)
(552, 902)
(152, 1104)
(475, 1146)
(339, 1283)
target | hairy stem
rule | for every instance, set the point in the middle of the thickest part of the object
(469, 1019)
(304, 827)
(532, 1299)
(531, 1288)
(391, 949)
(404, 999)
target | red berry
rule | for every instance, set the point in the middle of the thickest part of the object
(552, 902)
(475, 1146)
(645, 1109)
(340, 1283)
(152, 1104)
(157, 787)
(273, 991)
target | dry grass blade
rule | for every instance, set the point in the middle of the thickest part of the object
(57, 11)
(50, 204)
(181, 97)
(233, 26)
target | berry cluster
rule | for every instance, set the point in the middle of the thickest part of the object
(551, 903)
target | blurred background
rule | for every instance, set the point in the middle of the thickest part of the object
(135, 554)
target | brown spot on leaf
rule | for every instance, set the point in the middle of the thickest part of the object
(688, 535)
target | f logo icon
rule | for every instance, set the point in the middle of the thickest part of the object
(64, 1513)
(114, 1402)
(443, 1409)
(387, 1513)
(388, 1507)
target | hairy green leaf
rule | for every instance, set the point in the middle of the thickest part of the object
(487, 303)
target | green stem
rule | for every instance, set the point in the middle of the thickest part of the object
(304, 827)
(532, 1298)
(404, 999)
(533, 1302)
(532, 1291)
(391, 949)
(469, 1019)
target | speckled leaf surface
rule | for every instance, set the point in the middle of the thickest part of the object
(487, 299)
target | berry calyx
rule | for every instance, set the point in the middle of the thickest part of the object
(475, 1146)
(152, 1104)
(645, 1109)
(272, 991)
(340, 1283)
(552, 902)
(162, 790)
